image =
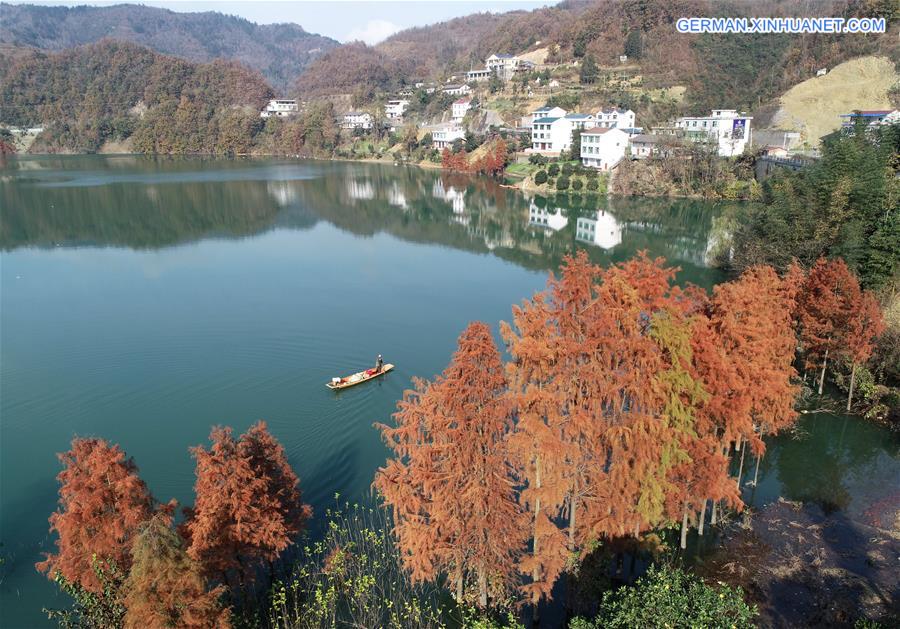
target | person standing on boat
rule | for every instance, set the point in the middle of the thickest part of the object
(378, 364)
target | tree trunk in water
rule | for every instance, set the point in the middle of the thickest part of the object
(572, 505)
(684, 526)
(756, 471)
(536, 573)
(740, 469)
(459, 587)
(737, 444)
(712, 516)
(852, 382)
(482, 589)
(702, 518)
(822, 377)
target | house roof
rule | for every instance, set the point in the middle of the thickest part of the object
(356, 113)
(502, 55)
(649, 138)
(579, 116)
(462, 101)
(613, 110)
(598, 130)
(546, 120)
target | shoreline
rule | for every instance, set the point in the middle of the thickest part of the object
(519, 183)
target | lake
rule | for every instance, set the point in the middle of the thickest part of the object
(145, 300)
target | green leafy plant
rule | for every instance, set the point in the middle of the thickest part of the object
(671, 597)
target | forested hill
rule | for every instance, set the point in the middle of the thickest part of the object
(114, 90)
(741, 70)
(279, 51)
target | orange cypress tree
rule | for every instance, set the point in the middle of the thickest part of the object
(536, 444)
(247, 506)
(866, 324)
(282, 512)
(165, 587)
(837, 318)
(450, 484)
(103, 502)
(825, 306)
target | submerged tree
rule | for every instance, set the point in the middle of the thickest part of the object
(166, 588)
(450, 485)
(248, 507)
(103, 502)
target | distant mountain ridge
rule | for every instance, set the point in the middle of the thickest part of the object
(279, 51)
(738, 69)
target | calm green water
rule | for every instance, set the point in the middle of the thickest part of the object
(144, 300)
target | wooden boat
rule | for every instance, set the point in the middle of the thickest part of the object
(358, 378)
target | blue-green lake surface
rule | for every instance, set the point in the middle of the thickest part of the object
(145, 300)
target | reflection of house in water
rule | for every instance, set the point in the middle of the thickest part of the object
(602, 230)
(455, 197)
(284, 192)
(360, 190)
(550, 219)
(396, 196)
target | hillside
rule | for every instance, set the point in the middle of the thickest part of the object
(279, 51)
(740, 71)
(111, 91)
(813, 107)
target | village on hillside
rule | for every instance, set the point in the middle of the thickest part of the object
(533, 105)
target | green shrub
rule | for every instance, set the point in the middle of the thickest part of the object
(562, 183)
(540, 177)
(553, 170)
(592, 185)
(567, 169)
(576, 184)
(670, 597)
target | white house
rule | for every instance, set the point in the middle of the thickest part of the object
(548, 219)
(644, 146)
(615, 118)
(503, 65)
(357, 120)
(460, 107)
(478, 76)
(456, 90)
(726, 128)
(280, 107)
(548, 112)
(550, 135)
(603, 147)
(444, 137)
(580, 121)
(602, 230)
(394, 108)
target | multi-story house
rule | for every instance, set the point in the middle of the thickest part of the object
(548, 112)
(550, 135)
(615, 118)
(456, 90)
(280, 108)
(444, 137)
(603, 147)
(394, 109)
(357, 120)
(726, 129)
(503, 65)
(459, 109)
